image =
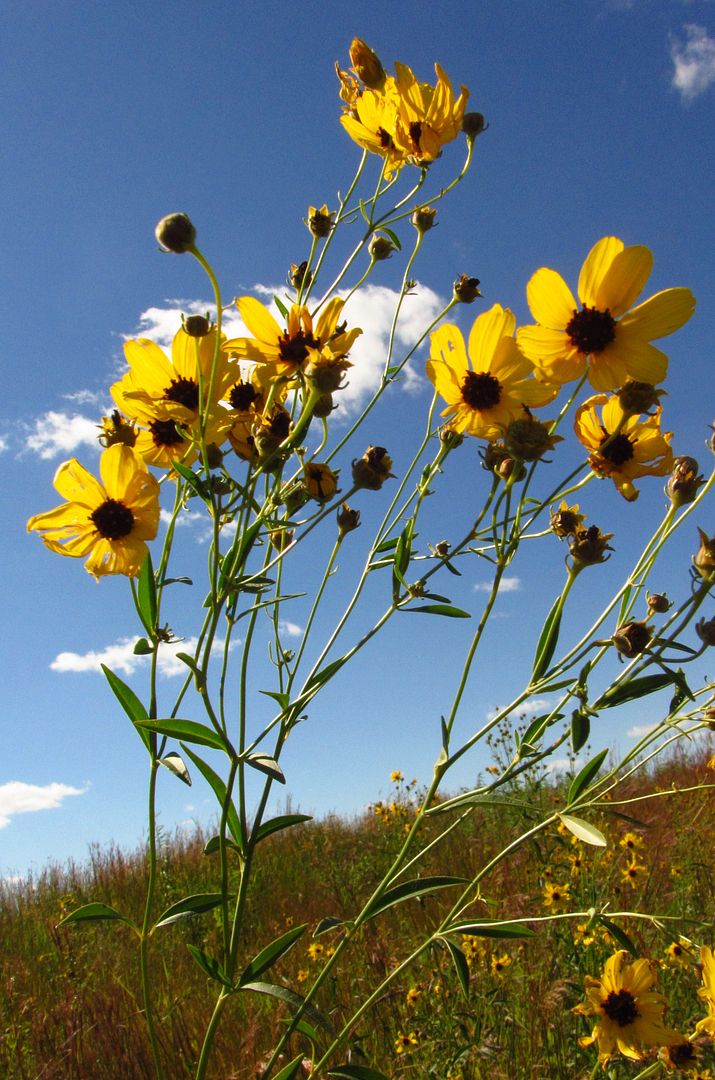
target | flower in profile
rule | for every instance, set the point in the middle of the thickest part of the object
(488, 390)
(629, 1011)
(621, 446)
(396, 776)
(110, 521)
(704, 558)
(320, 221)
(605, 331)
(302, 342)
(707, 991)
(319, 481)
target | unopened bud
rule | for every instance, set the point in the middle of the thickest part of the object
(423, 218)
(496, 459)
(529, 439)
(176, 233)
(450, 438)
(466, 289)
(324, 406)
(682, 487)
(372, 469)
(704, 560)
(381, 248)
(636, 398)
(473, 124)
(214, 456)
(300, 275)
(347, 520)
(196, 325)
(320, 481)
(367, 65)
(632, 638)
(705, 629)
(320, 222)
(658, 603)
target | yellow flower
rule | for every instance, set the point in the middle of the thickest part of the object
(396, 776)
(428, 116)
(301, 343)
(707, 991)
(680, 1057)
(583, 936)
(405, 1042)
(634, 874)
(606, 328)
(413, 995)
(499, 964)
(576, 861)
(630, 1013)
(555, 895)
(622, 447)
(484, 398)
(320, 481)
(566, 520)
(109, 521)
(631, 841)
(315, 949)
(680, 952)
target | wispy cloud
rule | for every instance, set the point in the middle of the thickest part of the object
(186, 517)
(564, 764)
(56, 433)
(507, 584)
(86, 397)
(17, 797)
(290, 629)
(120, 657)
(639, 730)
(528, 708)
(3, 444)
(694, 62)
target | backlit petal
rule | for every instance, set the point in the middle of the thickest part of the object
(487, 331)
(118, 466)
(624, 280)
(661, 314)
(447, 345)
(550, 300)
(595, 268)
(259, 320)
(77, 485)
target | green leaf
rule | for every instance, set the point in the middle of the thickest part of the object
(267, 765)
(386, 545)
(219, 789)
(129, 702)
(536, 729)
(441, 609)
(460, 966)
(199, 677)
(620, 935)
(146, 595)
(280, 305)
(142, 647)
(393, 236)
(492, 928)
(548, 640)
(177, 581)
(356, 1072)
(409, 889)
(189, 906)
(94, 913)
(174, 763)
(188, 730)
(580, 729)
(193, 481)
(282, 699)
(635, 688)
(267, 957)
(285, 821)
(210, 967)
(293, 1000)
(586, 775)
(581, 829)
(213, 844)
(330, 922)
(290, 1070)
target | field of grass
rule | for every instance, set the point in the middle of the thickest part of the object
(70, 1000)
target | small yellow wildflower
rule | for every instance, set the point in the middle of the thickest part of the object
(631, 841)
(413, 995)
(405, 1042)
(499, 964)
(302, 975)
(315, 949)
(396, 776)
(634, 874)
(555, 895)
(583, 936)
(680, 952)
(707, 991)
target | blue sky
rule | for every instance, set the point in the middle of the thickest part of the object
(601, 122)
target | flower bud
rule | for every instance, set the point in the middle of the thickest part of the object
(372, 469)
(281, 539)
(705, 629)
(176, 233)
(496, 459)
(658, 603)
(423, 218)
(320, 222)
(682, 487)
(367, 65)
(566, 521)
(326, 372)
(632, 638)
(529, 439)
(466, 289)
(324, 406)
(300, 275)
(381, 248)
(116, 429)
(320, 481)
(196, 325)
(347, 520)
(473, 124)
(214, 456)
(636, 398)
(704, 560)
(450, 438)
(588, 546)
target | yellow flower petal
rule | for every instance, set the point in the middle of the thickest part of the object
(486, 333)
(75, 484)
(624, 280)
(550, 300)
(641, 360)
(447, 345)
(662, 314)
(259, 320)
(595, 268)
(118, 466)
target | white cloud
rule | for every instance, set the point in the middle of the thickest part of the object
(564, 764)
(120, 657)
(640, 730)
(57, 433)
(3, 443)
(528, 708)
(507, 584)
(186, 517)
(161, 323)
(86, 397)
(694, 62)
(291, 629)
(17, 797)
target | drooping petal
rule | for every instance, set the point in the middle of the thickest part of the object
(550, 300)
(328, 318)
(486, 332)
(595, 268)
(445, 380)
(624, 280)
(77, 485)
(662, 314)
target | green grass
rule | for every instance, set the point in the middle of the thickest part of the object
(70, 1001)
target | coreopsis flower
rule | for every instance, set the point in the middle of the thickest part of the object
(634, 874)
(319, 481)
(110, 521)
(488, 390)
(605, 332)
(367, 64)
(681, 1057)
(428, 116)
(680, 952)
(556, 895)
(622, 447)
(405, 1042)
(631, 841)
(630, 1013)
(300, 343)
(413, 995)
(707, 991)
(499, 964)
(115, 428)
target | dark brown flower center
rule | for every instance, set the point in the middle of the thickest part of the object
(242, 396)
(294, 350)
(113, 520)
(621, 1007)
(385, 138)
(279, 424)
(618, 450)
(416, 133)
(591, 330)
(184, 392)
(480, 390)
(165, 433)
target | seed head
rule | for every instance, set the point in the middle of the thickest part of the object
(372, 469)
(704, 561)
(632, 638)
(682, 487)
(636, 398)
(176, 233)
(423, 218)
(529, 439)
(589, 546)
(705, 629)
(473, 124)
(658, 603)
(466, 289)
(196, 325)
(381, 248)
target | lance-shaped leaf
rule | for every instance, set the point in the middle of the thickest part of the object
(330, 922)
(267, 765)
(210, 966)
(635, 688)
(620, 935)
(276, 824)
(460, 965)
(289, 1071)
(129, 702)
(174, 763)
(95, 913)
(583, 830)
(219, 789)
(189, 906)
(548, 639)
(580, 729)
(582, 779)
(146, 595)
(356, 1072)
(271, 954)
(188, 730)
(410, 889)
(199, 676)
(293, 1000)
(448, 610)
(492, 928)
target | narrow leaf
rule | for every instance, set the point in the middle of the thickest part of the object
(189, 906)
(548, 639)
(449, 610)
(460, 966)
(267, 957)
(584, 778)
(94, 913)
(620, 935)
(177, 581)
(219, 789)
(211, 967)
(267, 765)
(492, 928)
(636, 688)
(174, 763)
(190, 662)
(146, 595)
(188, 730)
(409, 889)
(213, 844)
(291, 1069)
(393, 236)
(580, 729)
(285, 821)
(330, 922)
(194, 482)
(356, 1072)
(282, 699)
(129, 702)
(583, 830)
(280, 305)
(293, 1000)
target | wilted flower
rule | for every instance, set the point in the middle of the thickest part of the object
(381, 248)
(116, 429)
(319, 481)
(320, 221)
(372, 469)
(529, 439)
(566, 521)
(704, 560)
(423, 218)
(588, 546)
(347, 520)
(638, 397)
(632, 638)
(705, 629)
(299, 274)
(367, 65)
(466, 289)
